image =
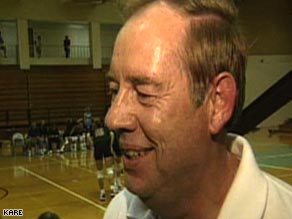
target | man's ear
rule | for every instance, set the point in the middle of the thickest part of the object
(221, 101)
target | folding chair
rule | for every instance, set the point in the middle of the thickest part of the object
(18, 143)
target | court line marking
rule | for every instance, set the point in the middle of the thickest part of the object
(29, 165)
(61, 188)
(276, 167)
(70, 165)
(274, 156)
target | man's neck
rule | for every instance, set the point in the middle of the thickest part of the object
(200, 195)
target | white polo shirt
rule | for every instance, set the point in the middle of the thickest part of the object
(253, 194)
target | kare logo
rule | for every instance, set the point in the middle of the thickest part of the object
(13, 212)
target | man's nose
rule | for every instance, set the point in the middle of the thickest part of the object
(121, 114)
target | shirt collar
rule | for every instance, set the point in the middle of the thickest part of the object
(248, 193)
(137, 209)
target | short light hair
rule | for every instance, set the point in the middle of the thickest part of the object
(213, 44)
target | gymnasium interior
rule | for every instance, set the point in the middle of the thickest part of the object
(46, 85)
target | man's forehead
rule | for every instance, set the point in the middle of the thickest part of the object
(149, 44)
(158, 29)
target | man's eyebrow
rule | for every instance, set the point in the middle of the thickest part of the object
(143, 80)
(135, 79)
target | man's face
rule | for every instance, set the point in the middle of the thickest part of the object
(162, 133)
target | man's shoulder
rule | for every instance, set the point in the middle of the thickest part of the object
(117, 208)
(127, 205)
(279, 198)
(278, 186)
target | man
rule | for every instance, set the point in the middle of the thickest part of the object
(176, 78)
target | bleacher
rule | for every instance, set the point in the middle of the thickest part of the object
(13, 97)
(51, 93)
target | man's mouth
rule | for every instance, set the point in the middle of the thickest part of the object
(134, 154)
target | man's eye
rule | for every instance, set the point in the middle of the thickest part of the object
(145, 99)
(142, 95)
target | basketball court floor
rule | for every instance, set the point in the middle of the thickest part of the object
(67, 185)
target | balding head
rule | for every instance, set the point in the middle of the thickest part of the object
(206, 39)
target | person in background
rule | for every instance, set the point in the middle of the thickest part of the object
(43, 138)
(67, 45)
(2, 45)
(117, 164)
(103, 145)
(67, 141)
(48, 215)
(54, 140)
(71, 123)
(33, 136)
(38, 46)
(88, 120)
(177, 80)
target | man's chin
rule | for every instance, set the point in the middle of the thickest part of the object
(137, 189)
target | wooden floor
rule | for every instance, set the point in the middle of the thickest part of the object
(67, 184)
